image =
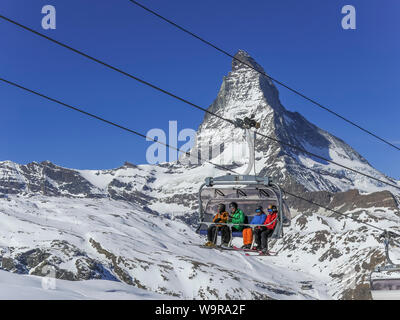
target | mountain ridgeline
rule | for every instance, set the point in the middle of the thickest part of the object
(244, 92)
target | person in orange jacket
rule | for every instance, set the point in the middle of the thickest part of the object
(261, 234)
(212, 231)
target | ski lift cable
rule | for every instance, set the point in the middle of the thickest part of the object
(264, 74)
(109, 66)
(107, 121)
(188, 102)
(327, 160)
(167, 145)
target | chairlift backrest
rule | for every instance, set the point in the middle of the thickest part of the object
(248, 199)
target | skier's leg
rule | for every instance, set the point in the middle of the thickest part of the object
(226, 237)
(257, 237)
(215, 236)
(247, 237)
(210, 233)
(264, 239)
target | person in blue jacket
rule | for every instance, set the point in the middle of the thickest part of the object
(259, 218)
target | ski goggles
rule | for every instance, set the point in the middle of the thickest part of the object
(258, 210)
(269, 210)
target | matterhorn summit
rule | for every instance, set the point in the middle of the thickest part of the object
(246, 91)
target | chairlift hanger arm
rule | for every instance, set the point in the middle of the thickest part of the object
(238, 180)
(387, 235)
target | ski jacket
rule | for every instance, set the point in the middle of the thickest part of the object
(237, 218)
(223, 216)
(259, 219)
(271, 217)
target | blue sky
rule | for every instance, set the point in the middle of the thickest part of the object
(302, 43)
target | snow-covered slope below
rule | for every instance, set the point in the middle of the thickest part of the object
(115, 241)
(27, 287)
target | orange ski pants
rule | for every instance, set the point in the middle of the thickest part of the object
(247, 236)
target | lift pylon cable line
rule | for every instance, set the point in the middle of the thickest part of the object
(264, 74)
(167, 145)
(188, 102)
(108, 66)
(187, 153)
(327, 160)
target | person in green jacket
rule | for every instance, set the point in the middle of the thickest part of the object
(236, 216)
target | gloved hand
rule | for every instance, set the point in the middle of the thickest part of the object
(218, 220)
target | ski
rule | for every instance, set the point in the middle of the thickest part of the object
(217, 247)
(243, 249)
(226, 248)
(207, 247)
(247, 252)
(261, 254)
(253, 250)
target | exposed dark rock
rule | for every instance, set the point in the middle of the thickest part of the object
(360, 292)
(32, 258)
(120, 272)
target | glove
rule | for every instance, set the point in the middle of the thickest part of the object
(218, 220)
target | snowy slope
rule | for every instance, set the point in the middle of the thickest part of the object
(26, 287)
(116, 241)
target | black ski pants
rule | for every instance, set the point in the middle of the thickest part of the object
(261, 237)
(212, 234)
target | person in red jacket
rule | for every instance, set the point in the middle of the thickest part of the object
(261, 234)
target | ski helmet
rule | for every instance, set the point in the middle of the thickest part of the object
(221, 207)
(233, 205)
(259, 209)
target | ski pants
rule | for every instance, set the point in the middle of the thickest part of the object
(261, 237)
(247, 236)
(212, 234)
(225, 234)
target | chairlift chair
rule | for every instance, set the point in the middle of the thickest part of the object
(385, 280)
(248, 191)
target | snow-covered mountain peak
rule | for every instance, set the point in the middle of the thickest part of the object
(245, 91)
(247, 60)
